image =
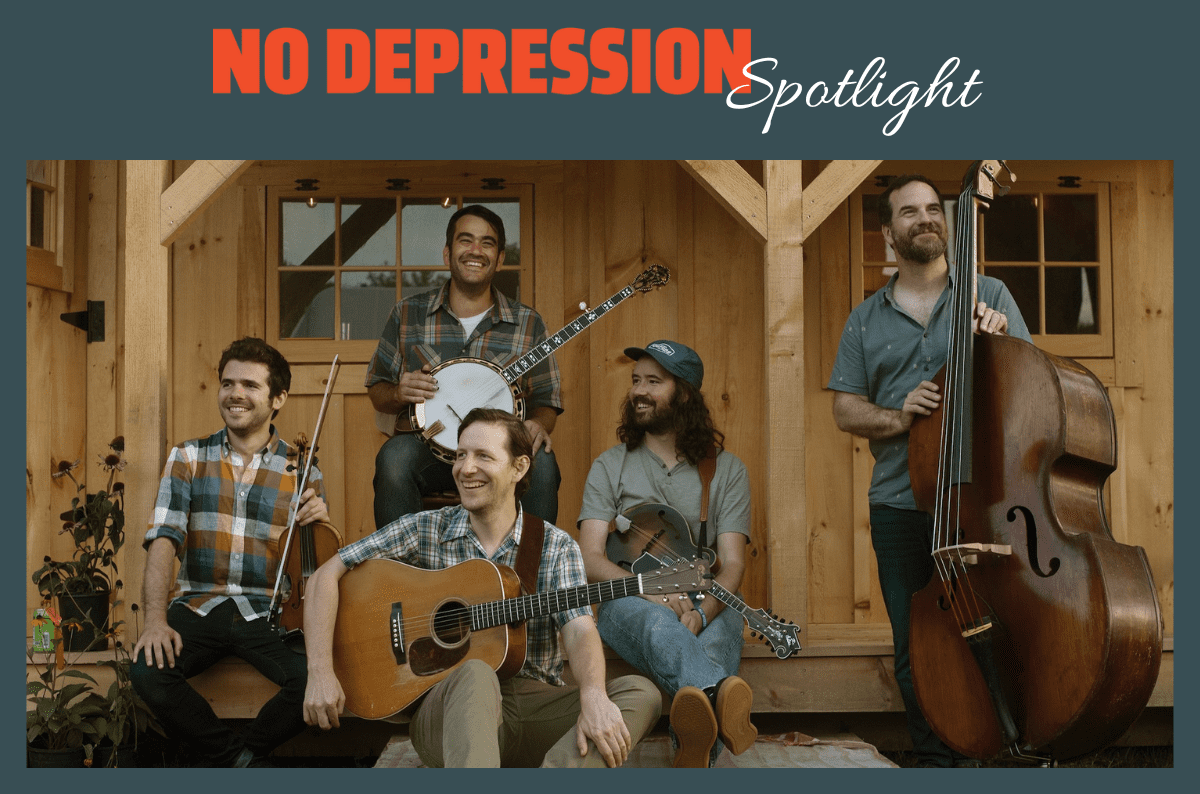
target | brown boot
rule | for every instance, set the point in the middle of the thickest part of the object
(734, 699)
(695, 726)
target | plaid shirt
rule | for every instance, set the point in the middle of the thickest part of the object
(422, 330)
(438, 539)
(226, 530)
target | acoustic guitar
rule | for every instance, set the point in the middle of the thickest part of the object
(652, 535)
(400, 630)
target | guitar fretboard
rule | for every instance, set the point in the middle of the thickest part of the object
(564, 335)
(512, 610)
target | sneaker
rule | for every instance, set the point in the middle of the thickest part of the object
(734, 699)
(695, 726)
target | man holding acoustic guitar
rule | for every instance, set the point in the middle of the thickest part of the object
(690, 646)
(467, 318)
(473, 716)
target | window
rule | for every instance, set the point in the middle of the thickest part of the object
(1050, 245)
(47, 223)
(339, 263)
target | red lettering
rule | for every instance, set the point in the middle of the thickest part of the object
(479, 69)
(608, 61)
(231, 61)
(720, 57)
(297, 61)
(641, 61)
(689, 60)
(575, 64)
(387, 61)
(338, 78)
(437, 53)
(525, 60)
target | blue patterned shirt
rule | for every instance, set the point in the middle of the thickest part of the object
(438, 539)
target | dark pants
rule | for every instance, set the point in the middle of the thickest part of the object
(186, 714)
(902, 540)
(405, 470)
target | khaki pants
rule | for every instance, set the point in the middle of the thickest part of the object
(472, 719)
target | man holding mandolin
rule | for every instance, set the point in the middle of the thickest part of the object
(689, 646)
(892, 346)
(466, 318)
(471, 717)
(222, 508)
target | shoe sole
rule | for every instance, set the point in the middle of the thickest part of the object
(695, 726)
(734, 700)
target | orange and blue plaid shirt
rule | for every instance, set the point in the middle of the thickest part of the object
(422, 330)
(226, 531)
(438, 539)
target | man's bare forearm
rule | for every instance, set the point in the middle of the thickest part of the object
(855, 414)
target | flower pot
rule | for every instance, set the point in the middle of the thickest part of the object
(40, 758)
(119, 755)
(90, 610)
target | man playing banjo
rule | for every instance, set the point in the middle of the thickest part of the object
(467, 317)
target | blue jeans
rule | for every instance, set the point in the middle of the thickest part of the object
(405, 469)
(902, 540)
(186, 714)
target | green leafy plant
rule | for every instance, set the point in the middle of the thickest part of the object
(96, 522)
(67, 712)
(128, 715)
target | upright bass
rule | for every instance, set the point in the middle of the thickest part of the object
(1040, 633)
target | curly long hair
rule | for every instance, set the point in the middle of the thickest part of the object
(693, 425)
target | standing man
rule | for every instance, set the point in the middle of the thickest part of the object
(467, 317)
(691, 648)
(894, 342)
(471, 718)
(222, 507)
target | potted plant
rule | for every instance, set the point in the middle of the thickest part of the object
(128, 715)
(83, 584)
(67, 714)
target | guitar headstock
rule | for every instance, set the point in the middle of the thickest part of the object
(783, 638)
(654, 276)
(685, 577)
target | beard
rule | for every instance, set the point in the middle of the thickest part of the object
(921, 251)
(660, 419)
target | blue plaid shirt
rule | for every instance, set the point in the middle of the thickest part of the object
(226, 531)
(438, 539)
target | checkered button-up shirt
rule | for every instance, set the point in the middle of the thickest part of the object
(422, 330)
(226, 530)
(438, 539)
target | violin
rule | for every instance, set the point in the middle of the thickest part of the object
(1040, 633)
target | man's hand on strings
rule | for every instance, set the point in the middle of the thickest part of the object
(416, 386)
(988, 321)
(312, 508)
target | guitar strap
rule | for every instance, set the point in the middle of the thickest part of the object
(707, 467)
(529, 551)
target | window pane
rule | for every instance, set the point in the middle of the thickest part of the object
(874, 248)
(1071, 300)
(509, 210)
(307, 233)
(417, 281)
(875, 279)
(423, 231)
(306, 305)
(37, 217)
(368, 233)
(367, 298)
(1070, 221)
(1011, 230)
(1022, 282)
(508, 282)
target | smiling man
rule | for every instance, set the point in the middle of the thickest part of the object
(471, 718)
(467, 317)
(222, 507)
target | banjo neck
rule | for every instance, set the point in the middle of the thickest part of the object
(565, 334)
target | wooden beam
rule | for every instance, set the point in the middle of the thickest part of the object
(735, 190)
(783, 363)
(831, 187)
(198, 187)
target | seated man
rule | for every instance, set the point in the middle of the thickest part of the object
(465, 318)
(691, 648)
(222, 508)
(471, 718)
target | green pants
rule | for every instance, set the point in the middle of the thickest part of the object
(472, 719)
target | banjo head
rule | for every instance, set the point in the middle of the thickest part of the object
(463, 384)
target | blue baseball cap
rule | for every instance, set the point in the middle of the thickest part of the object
(678, 359)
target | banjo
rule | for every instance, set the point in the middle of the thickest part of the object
(466, 383)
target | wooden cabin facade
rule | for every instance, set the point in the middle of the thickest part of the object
(766, 258)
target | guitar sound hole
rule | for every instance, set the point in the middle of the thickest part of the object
(452, 624)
